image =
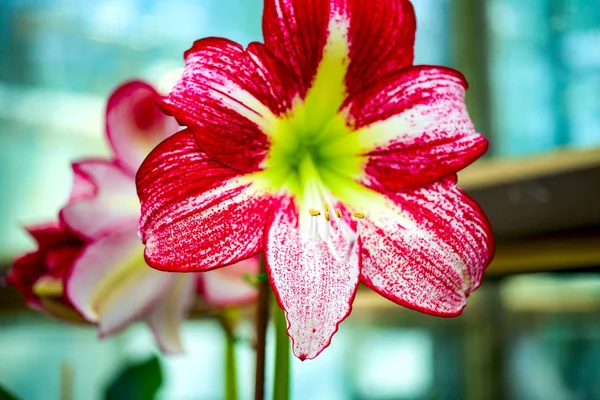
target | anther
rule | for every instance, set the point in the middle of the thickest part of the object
(326, 206)
(338, 213)
(358, 215)
(314, 213)
(327, 215)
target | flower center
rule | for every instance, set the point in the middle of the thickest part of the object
(312, 148)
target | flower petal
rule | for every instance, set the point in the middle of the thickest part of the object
(39, 275)
(315, 290)
(26, 270)
(110, 283)
(227, 287)
(59, 260)
(197, 214)
(113, 205)
(380, 36)
(232, 95)
(415, 128)
(167, 316)
(51, 234)
(135, 124)
(82, 187)
(428, 249)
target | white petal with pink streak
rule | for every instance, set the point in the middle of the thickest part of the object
(312, 286)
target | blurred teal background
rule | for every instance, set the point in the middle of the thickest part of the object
(544, 64)
(534, 68)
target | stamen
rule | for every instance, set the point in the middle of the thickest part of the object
(313, 229)
(327, 232)
(333, 229)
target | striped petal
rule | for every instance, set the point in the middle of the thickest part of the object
(227, 287)
(135, 124)
(113, 204)
(197, 214)
(168, 315)
(111, 285)
(314, 288)
(231, 96)
(427, 249)
(414, 128)
(380, 36)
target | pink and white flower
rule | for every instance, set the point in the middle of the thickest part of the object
(328, 150)
(109, 283)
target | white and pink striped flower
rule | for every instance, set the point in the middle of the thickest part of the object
(328, 150)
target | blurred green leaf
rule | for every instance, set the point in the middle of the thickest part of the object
(6, 395)
(137, 382)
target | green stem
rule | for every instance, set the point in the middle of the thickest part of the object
(281, 383)
(231, 392)
(262, 320)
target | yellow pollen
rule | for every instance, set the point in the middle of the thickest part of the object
(338, 213)
(327, 216)
(326, 207)
(47, 286)
(314, 213)
(358, 215)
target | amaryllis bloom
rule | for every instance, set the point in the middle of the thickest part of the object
(39, 276)
(110, 283)
(328, 150)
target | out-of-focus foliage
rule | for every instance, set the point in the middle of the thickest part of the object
(139, 381)
(6, 395)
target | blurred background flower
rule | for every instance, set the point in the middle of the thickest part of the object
(40, 275)
(534, 73)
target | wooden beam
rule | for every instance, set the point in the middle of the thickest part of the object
(495, 172)
(565, 198)
(535, 294)
(542, 255)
